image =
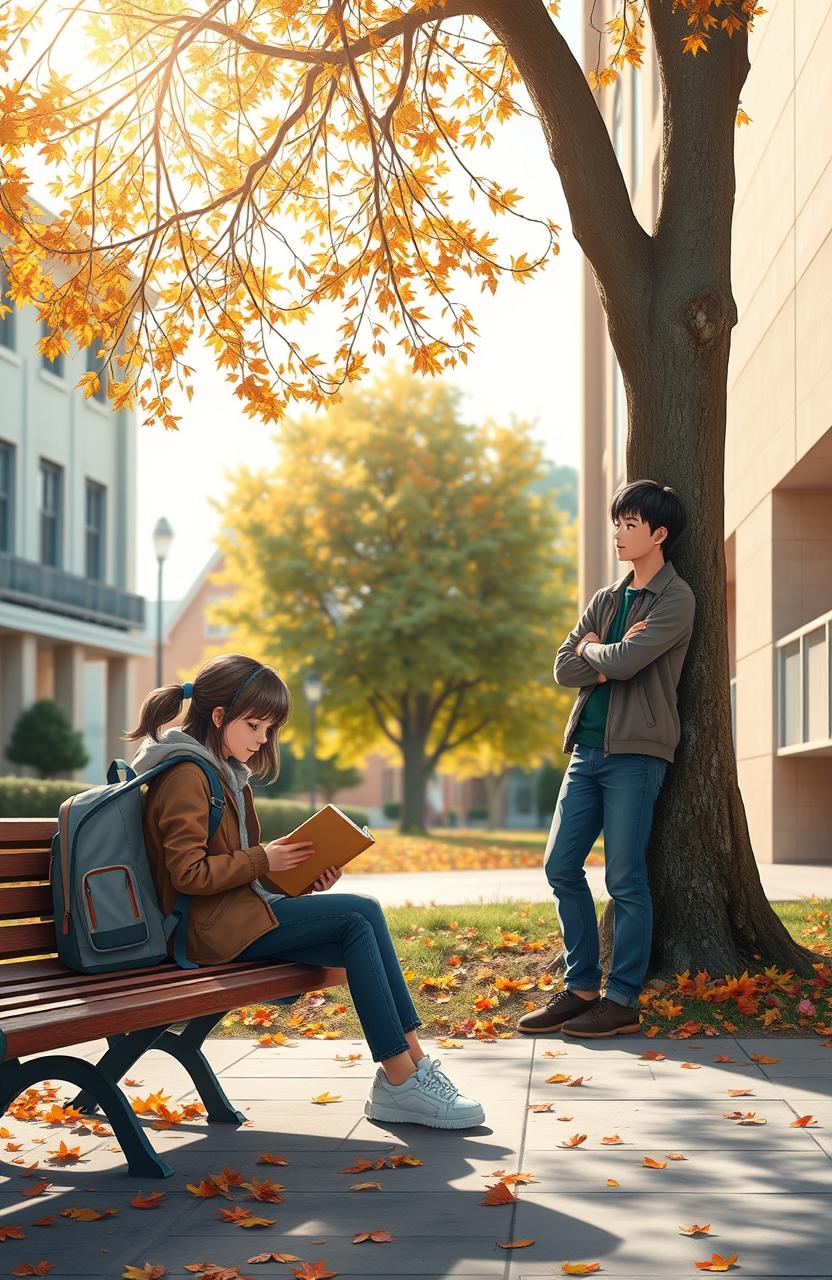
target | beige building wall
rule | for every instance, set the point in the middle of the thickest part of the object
(778, 463)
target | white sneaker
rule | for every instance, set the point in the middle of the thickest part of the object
(428, 1097)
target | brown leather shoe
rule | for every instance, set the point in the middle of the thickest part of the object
(564, 1005)
(605, 1018)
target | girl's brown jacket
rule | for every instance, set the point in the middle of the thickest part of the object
(226, 914)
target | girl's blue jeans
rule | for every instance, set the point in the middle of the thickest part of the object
(619, 793)
(346, 930)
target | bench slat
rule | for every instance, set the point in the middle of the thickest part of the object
(22, 900)
(27, 939)
(129, 984)
(33, 1032)
(24, 864)
(27, 831)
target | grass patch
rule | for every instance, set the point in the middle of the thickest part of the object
(500, 955)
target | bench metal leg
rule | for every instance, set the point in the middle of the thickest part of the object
(124, 1051)
(142, 1160)
(185, 1046)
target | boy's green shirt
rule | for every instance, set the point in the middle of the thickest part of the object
(593, 719)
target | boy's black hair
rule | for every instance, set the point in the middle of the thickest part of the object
(658, 505)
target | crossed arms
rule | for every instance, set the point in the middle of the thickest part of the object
(670, 622)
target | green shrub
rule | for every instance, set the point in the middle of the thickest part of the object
(392, 810)
(44, 738)
(35, 798)
(477, 815)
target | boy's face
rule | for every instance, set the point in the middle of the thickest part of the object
(633, 539)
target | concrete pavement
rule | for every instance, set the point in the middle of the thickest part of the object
(763, 1190)
(781, 881)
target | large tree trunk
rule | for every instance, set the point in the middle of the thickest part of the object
(670, 311)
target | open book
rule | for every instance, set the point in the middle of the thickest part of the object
(337, 841)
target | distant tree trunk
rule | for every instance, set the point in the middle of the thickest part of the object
(670, 311)
(496, 785)
(415, 778)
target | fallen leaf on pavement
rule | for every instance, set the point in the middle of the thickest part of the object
(378, 1237)
(326, 1097)
(716, 1263)
(12, 1233)
(88, 1215)
(148, 1272)
(28, 1269)
(802, 1122)
(574, 1141)
(150, 1201)
(580, 1268)
(499, 1193)
(274, 1257)
(515, 1244)
(366, 1186)
(649, 1163)
(695, 1230)
(266, 1157)
(241, 1217)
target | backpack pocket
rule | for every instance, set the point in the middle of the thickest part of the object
(113, 906)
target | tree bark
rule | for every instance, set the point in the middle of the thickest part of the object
(496, 791)
(670, 311)
(415, 778)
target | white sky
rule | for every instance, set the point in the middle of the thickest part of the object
(527, 362)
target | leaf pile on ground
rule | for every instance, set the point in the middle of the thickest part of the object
(473, 970)
(462, 850)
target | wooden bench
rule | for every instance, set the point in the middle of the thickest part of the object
(45, 1006)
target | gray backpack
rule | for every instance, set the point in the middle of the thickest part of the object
(107, 914)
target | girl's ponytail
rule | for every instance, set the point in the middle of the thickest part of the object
(159, 708)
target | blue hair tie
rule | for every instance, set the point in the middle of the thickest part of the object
(188, 689)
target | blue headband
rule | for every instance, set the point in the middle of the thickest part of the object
(235, 695)
(188, 690)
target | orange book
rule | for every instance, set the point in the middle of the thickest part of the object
(337, 841)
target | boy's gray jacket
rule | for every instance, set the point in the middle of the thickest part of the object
(643, 671)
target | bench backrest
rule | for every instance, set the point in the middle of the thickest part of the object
(27, 926)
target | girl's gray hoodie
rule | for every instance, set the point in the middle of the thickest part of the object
(234, 774)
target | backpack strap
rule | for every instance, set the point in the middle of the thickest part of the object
(176, 923)
(117, 767)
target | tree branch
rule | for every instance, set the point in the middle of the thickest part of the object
(376, 710)
(603, 222)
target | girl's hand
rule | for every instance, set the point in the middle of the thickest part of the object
(327, 879)
(284, 855)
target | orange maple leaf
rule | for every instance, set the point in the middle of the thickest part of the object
(499, 1193)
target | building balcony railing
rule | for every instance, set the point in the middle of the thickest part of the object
(804, 719)
(38, 586)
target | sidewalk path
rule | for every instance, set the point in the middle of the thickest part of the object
(781, 881)
(765, 1190)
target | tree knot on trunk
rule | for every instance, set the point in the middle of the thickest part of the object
(707, 315)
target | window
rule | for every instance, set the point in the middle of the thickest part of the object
(791, 711)
(636, 130)
(56, 366)
(7, 460)
(96, 513)
(93, 366)
(7, 320)
(619, 423)
(51, 513)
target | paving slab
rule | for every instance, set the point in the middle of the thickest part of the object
(765, 1189)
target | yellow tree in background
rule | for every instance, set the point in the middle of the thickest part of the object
(405, 555)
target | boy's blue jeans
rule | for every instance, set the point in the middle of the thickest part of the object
(347, 931)
(618, 793)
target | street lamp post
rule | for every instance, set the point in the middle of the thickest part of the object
(313, 689)
(162, 541)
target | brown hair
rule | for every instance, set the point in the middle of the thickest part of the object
(218, 684)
